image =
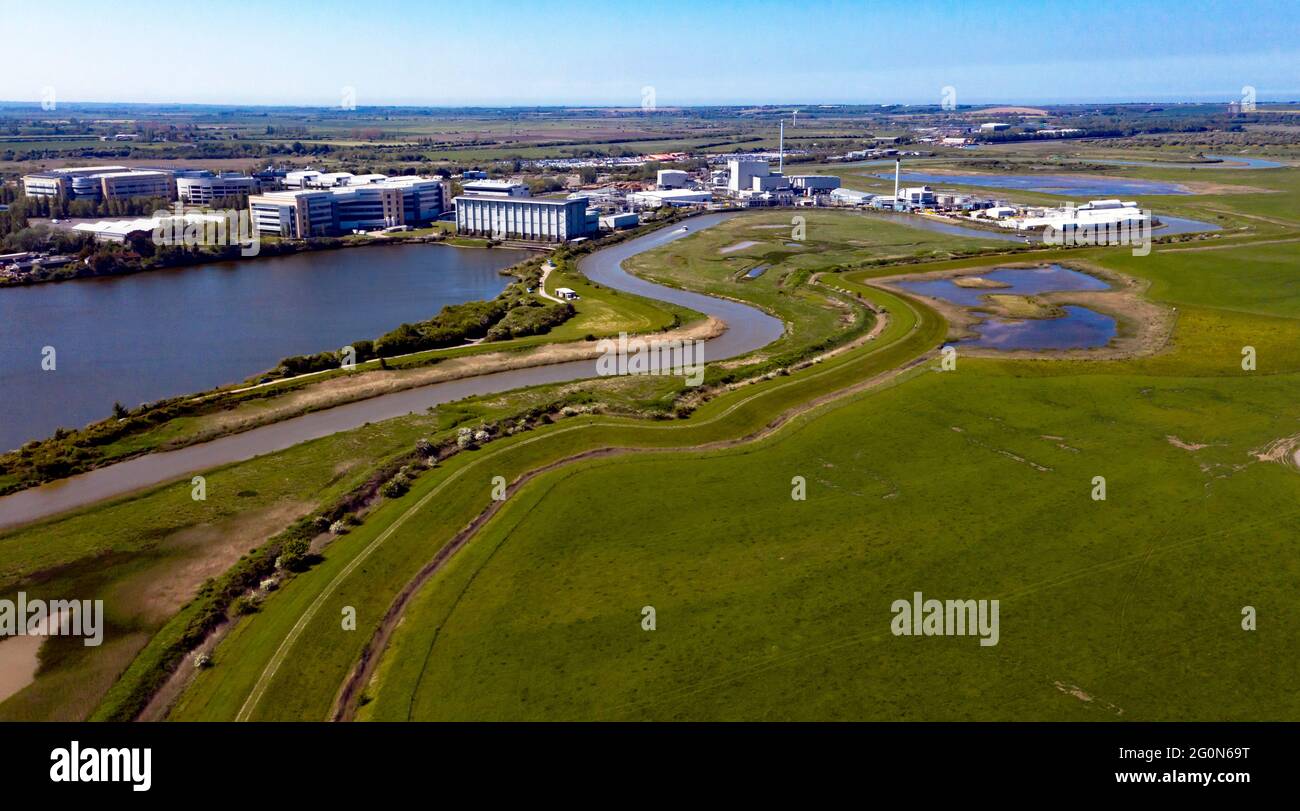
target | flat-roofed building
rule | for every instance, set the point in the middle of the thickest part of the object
(814, 184)
(671, 179)
(918, 195)
(100, 183)
(295, 214)
(742, 171)
(537, 219)
(119, 230)
(381, 203)
(669, 197)
(495, 188)
(208, 188)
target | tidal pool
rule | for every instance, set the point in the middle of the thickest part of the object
(1079, 328)
(1017, 281)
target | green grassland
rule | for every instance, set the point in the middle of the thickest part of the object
(391, 546)
(967, 484)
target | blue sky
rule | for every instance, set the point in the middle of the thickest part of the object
(488, 52)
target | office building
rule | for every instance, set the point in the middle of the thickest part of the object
(100, 183)
(339, 209)
(207, 188)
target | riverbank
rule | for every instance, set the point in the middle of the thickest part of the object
(188, 419)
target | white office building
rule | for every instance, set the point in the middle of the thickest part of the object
(100, 183)
(208, 188)
(340, 209)
(537, 219)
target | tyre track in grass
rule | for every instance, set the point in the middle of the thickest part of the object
(347, 699)
(348, 692)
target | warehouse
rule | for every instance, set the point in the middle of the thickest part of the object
(669, 197)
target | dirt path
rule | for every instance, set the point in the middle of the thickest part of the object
(346, 701)
(541, 284)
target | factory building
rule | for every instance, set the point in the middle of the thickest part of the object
(100, 183)
(671, 179)
(382, 203)
(669, 197)
(206, 188)
(538, 219)
(613, 222)
(495, 188)
(1094, 214)
(849, 197)
(741, 173)
(814, 184)
(918, 196)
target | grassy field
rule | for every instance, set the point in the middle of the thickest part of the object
(968, 484)
(375, 561)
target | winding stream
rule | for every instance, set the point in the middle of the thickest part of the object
(748, 328)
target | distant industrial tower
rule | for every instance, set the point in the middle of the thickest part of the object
(780, 150)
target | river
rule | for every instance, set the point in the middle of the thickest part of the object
(748, 328)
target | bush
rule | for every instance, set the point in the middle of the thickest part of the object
(294, 554)
(396, 487)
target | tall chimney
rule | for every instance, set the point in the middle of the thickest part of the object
(780, 166)
(898, 168)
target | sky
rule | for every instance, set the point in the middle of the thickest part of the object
(678, 52)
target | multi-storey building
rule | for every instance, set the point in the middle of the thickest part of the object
(206, 188)
(537, 219)
(383, 202)
(100, 183)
